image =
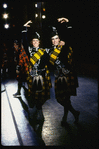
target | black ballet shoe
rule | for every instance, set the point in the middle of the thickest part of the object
(64, 124)
(77, 117)
(17, 94)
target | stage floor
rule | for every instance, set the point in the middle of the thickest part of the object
(16, 129)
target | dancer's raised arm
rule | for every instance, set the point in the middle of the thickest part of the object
(27, 23)
(61, 20)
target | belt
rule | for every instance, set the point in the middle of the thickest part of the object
(36, 72)
(61, 72)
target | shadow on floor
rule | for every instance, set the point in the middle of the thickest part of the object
(36, 124)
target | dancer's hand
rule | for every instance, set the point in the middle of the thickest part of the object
(62, 43)
(27, 23)
(61, 20)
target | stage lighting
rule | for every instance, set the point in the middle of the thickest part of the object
(5, 6)
(43, 16)
(36, 15)
(5, 15)
(6, 26)
(35, 5)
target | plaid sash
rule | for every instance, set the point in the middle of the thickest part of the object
(37, 56)
(54, 55)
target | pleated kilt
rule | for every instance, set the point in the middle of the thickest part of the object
(65, 87)
(42, 95)
(23, 63)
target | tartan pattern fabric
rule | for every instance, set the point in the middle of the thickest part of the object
(44, 95)
(70, 55)
(72, 83)
(23, 63)
(70, 88)
(37, 56)
(54, 55)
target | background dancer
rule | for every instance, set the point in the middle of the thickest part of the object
(21, 61)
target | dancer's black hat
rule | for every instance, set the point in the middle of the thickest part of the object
(36, 35)
(53, 31)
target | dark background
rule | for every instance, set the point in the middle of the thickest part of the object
(83, 16)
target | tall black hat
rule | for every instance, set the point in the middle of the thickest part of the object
(53, 31)
(36, 35)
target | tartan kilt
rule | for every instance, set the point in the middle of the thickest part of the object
(43, 95)
(65, 87)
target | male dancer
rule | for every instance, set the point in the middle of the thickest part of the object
(62, 63)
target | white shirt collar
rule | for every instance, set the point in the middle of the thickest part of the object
(36, 49)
